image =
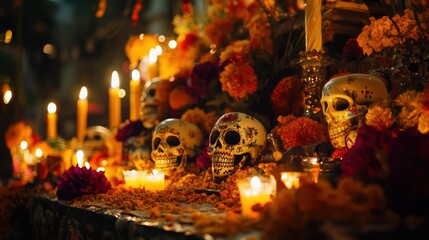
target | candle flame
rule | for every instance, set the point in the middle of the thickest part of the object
(87, 165)
(115, 80)
(255, 182)
(158, 50)
(172, 44)
(52, 108)
(7, 96)
(135, 75)
(155, 172)
(79, 156)
(23, 145)
(83, 94)
(38, 152)
(153, 57)
(100, 169)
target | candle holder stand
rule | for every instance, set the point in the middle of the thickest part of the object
(313, 71)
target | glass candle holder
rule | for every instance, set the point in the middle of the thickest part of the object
(311, 166)
(291, 179)
(255, 191)
(154, 181)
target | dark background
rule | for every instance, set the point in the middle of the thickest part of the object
(86, 51)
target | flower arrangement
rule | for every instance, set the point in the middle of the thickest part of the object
(78, 181)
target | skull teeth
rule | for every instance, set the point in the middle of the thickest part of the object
(167, 162)
(338, 132)
(222, 161)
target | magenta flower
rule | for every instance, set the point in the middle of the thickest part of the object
(77, 181)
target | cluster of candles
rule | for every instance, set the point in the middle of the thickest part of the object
(151, 181)
(261, 190)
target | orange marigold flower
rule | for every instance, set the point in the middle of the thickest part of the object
(219, 37)
(259, 29)
(237, 51)
(238, 80)
(287, 96)
(205, 121)
(302, 131)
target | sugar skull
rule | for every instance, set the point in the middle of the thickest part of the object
(236, 140)
(95, 136)
(154, 102)
(345, 101)
(173, 141)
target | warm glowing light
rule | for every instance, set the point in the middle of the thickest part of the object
(48, 49)
(161, 38)
(38, 152)
(135, 75)
(172, 44)
(83, 94)
(141, 36)
(7, 96)
(23, 145)
(115, 80)
(101, 169)
(153, 57)
(104, 162)
(79, 157)
(158, 50)
(255, 182)
(8, 36)
(87, 165)
(52, 108)
(122, 93)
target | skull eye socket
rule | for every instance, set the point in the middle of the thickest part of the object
(151, 92)
(97, 137)
(214, 136)
(232, 137)
(340, 104)
(173, 141)
(156, 142)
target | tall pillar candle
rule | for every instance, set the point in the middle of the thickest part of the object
(313, 25)
(114, 102)
(82, 114)
(52, 121)
(134, 95)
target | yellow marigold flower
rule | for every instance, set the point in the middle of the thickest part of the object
(205, 121)
(405, 98)
(423, 125)
(408, 117)
(238, 80)
(380, 117)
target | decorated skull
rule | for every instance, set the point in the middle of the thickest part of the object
(154, 102)
(236, 140)
(173, 141)
(345, 101)
(95, 136)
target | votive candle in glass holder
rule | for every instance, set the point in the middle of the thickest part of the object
(132, 178)
(154, 181)
(291, 179)
(255, 190)
(312, 167)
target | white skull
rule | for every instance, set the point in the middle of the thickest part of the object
(154, 101)
(173, 141)
(95, 138)
(236, 140)
(345, 100)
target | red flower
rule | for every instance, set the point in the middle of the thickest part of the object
(287, 96)
(129, 129)
(204, 160)
(352, 50)
(77, 181)
(339, 153)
